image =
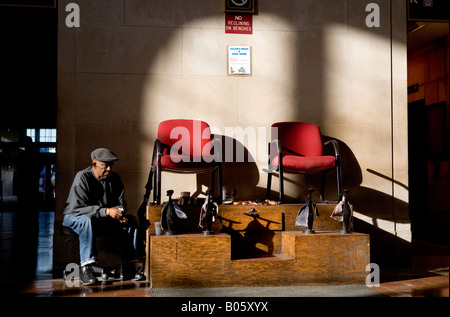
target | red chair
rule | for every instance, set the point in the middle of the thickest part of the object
(297, 147)
(186, 146)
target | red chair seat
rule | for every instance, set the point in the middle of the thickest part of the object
(185, 163)
(306, 163)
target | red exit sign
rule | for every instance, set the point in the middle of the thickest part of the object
(238, 23)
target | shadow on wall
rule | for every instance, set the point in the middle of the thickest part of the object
(383, 216)
(243, 168)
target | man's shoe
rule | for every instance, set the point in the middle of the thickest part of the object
(87, 275)
(129, 272)
(139, 276)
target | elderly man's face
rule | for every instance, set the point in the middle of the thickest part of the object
(101, 169)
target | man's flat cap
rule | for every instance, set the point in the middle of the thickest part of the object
(103, 155)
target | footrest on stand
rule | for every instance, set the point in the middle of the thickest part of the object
(104, 272)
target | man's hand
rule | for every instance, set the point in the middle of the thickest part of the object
(116, 213)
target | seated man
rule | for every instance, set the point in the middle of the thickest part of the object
(96, 205)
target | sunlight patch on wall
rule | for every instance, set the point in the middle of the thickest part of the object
(202, 89)
(357, 98)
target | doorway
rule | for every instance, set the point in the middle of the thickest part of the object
(428, 122)
(27, 170)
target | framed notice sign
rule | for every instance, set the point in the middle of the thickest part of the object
(239, 60)
(238, 24)
(241, 6)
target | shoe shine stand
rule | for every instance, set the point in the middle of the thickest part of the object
(260, 247)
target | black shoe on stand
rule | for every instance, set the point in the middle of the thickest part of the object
(87, 275)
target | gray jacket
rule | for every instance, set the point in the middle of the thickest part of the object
(89, 195)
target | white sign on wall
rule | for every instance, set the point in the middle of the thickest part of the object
(239, 60)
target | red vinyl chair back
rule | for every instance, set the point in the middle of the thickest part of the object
(192, 137)
(298, 138)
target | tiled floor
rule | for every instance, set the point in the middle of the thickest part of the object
(427, 277)
(436, 286)
(114, 288)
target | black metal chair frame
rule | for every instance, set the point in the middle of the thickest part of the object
(281, 170)
(158, 153)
